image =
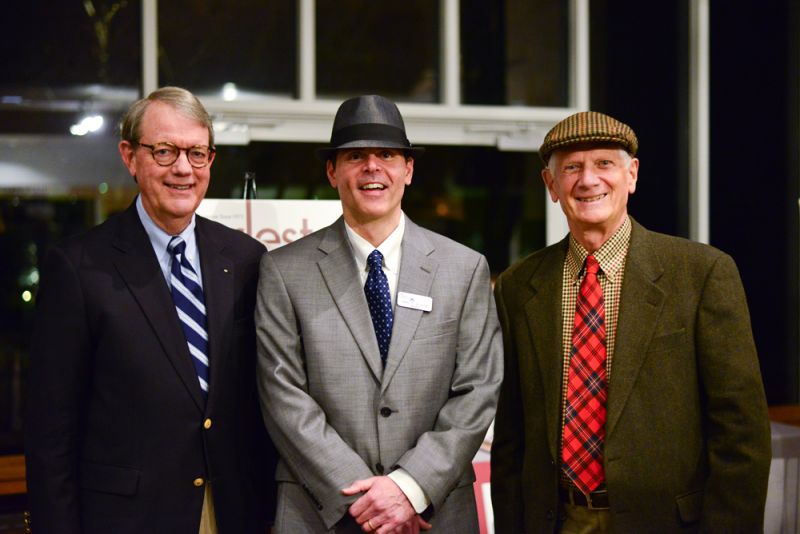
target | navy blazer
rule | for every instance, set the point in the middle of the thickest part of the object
(118, 436)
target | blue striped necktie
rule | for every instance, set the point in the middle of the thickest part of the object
(187, 293)
(380, 302)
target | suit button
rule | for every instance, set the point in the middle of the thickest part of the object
(386, 412)
(207, 424)
(550, 515)
(379, 468)
(198, 482)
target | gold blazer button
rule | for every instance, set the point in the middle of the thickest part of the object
(198, 482)
(207, 424)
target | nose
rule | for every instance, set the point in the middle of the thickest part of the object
(373, 162)
(181, 165)
(588, 178)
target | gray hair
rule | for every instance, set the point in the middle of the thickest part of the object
(179, 99)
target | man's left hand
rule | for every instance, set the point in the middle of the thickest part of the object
(383, 508)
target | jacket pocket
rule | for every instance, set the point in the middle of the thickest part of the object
(427, 330)
(108, 478)
(668, 341)
(690, 506)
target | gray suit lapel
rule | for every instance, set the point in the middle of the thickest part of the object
(544, 320)
(344, 283)
(417, 271)
(136, 263)
(641, 304)
(218, 275)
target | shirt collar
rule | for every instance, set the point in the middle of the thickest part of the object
(610, 256)
(160, 239)
(390, 248)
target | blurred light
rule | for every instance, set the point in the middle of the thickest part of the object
(229, 92)
(29, 277)
(90, 123)
(11, 99)
(27, 296)
(102, 188)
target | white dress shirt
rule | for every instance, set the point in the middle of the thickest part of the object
(392, 255)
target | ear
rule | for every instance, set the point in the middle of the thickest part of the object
(331, 172)
(549, 182)
(409, 170)
(633, 175)
(127, 153)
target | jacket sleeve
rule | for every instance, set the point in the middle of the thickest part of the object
(508, 444)
(737, 424)
(58, 380)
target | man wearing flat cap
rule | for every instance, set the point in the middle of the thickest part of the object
(379, 351)
(632, 399)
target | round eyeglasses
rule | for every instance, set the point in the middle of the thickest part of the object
(166, 154)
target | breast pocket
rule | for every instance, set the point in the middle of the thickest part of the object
(427, 330)
(668, 341)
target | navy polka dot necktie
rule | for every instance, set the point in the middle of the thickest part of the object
(380, 302)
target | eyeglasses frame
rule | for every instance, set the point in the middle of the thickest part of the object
(152, 148)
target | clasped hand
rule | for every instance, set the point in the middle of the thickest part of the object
(384, 508)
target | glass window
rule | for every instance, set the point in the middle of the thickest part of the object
(230, 47)
(28, 226)
(283, 171)
(366, 47)
(489, 200)
(515, 52)
(65, 59)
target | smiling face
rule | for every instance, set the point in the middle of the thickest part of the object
(592, 185)
(371, 182)
(170, 194)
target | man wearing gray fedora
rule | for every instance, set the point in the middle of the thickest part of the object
(379, 351)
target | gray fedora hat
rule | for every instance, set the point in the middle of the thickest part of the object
(369, 121)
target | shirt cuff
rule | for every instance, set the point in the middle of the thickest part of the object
(415, 495)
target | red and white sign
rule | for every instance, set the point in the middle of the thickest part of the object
(273, 222)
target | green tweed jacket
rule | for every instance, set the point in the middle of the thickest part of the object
(687, 433)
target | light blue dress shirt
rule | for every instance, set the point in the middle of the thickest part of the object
(160, 239)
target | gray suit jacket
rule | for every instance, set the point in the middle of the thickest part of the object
(335, 415)
(687, 436)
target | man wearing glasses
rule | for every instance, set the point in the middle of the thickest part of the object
(142, 412)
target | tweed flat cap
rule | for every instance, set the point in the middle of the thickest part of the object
(588, 127)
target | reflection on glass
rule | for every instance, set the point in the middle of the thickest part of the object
(489, 200)
(366, 47)
(28, 225)
(229, 49)
(515, 52)
(67, 58)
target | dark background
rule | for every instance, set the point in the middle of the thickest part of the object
(639, 74)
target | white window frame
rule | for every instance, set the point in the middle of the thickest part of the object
(450, 122)
(308, 118)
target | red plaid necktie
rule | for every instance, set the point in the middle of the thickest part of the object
(585, 417)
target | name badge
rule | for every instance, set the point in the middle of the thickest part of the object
(415, 302)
